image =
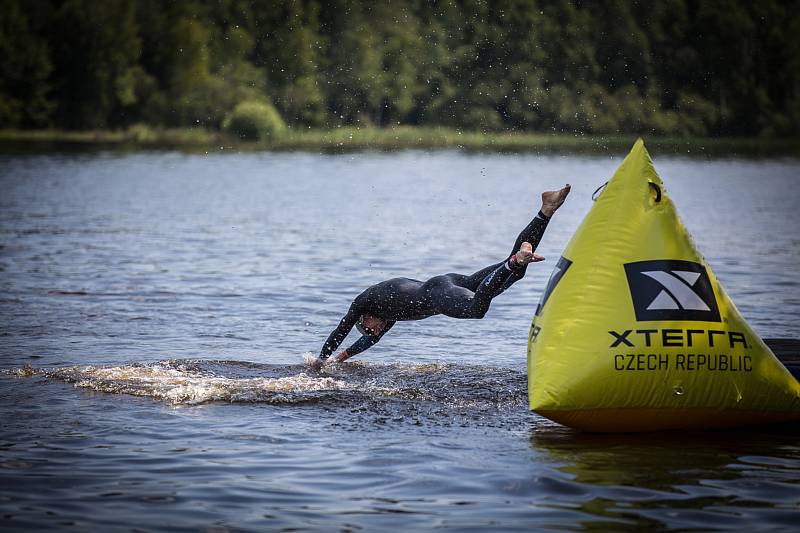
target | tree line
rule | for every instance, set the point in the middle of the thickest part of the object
(672, 67)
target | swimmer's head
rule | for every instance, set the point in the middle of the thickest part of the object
(370, 325)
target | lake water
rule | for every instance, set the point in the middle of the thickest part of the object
(156, 309)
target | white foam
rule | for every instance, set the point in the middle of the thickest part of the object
(181, 386)
(200, 381)
(312, 361)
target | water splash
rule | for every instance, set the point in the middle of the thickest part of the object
(191, 382)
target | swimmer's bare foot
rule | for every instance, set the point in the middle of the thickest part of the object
(526, 255)
(552, 200)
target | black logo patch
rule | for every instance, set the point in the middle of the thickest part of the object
(558, 272)
(671, 290)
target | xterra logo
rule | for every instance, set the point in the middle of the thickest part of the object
(558, 272)
(671, 290)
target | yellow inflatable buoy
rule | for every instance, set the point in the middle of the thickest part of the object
(634, 332)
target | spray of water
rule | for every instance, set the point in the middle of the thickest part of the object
(440, 393)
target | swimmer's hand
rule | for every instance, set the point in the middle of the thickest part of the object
(526, 255)
(341, 357)
(316, 363)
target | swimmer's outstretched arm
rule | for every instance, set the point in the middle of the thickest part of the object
(365, 342)
(337, 335)
(357, 308)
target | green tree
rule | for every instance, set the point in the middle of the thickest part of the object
(96, 49)
(291, 50)
(24, 70)
(671, 67)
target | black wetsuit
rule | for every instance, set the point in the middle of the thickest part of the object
(453, 295)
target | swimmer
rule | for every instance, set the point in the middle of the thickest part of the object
(375, 311)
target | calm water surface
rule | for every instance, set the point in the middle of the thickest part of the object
(155, 309)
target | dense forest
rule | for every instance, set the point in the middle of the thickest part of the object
(677, 67)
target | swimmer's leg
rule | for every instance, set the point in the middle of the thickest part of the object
(474, 280)
(457, 301)
(551, 201)
(531, 234)
(461, 296)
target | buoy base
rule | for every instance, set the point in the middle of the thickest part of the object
(630, 420)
